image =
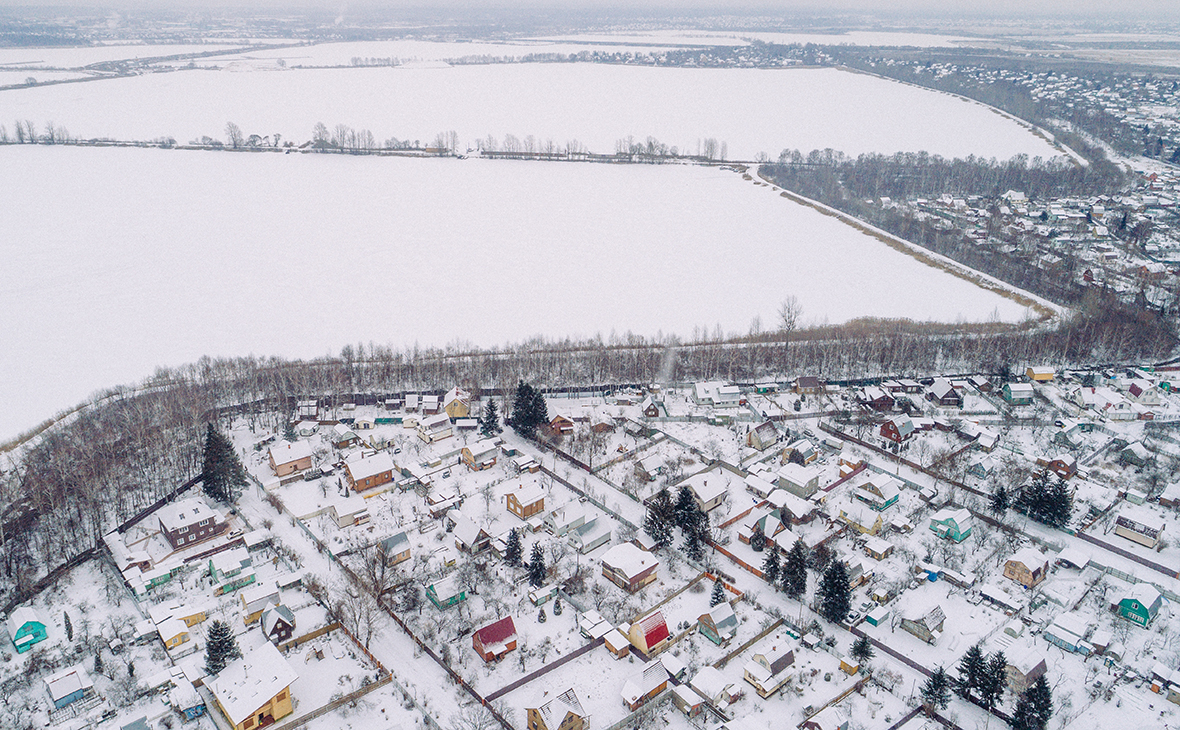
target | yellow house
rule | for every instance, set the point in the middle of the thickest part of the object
(457, 403)
(254, 691)
(173, 632)
(1040, 374)
(861, 518)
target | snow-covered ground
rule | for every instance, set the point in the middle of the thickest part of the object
(739, 38)
(298, 255)
(752, 111)
(86, 55)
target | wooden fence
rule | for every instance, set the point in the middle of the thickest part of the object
(334, 704)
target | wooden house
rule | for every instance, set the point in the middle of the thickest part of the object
(769, 666)
(369, 472)
(432, 429)
(457, 403)
(649, 634)
(687, 700)
(287, 458)
(650, 408)
(880, 492)
(953, 524)
(480, 455)
(469, 536)
(1063, 465)
(833, 717)
(278, 623)
(1028, 567)
(629, 567)
(561, 425)
(343, 437)
(943, 393)
(927, 625)
(641, 687)
(563, 712)
(877, 399)
(763, 436)
(396, 548)
(1023, 668)
(709, 489)
(173, 632)
(68, 686)
(616, 643)
(255, 600)
(719, 625)
(1139, 524)
(1139, 604)
(808, 385)
(1018, 394)
(898, 430)
(494, 641)
(446, 592)
(861, 518)
(255, 691)
(1040, 374)
(526, 500)
(716, 687)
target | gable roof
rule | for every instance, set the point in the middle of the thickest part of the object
(68, 681)
(369, 466)
(184, 512)
(396, 543)
(21, 616)
(629, 559)
(527, 494)
(647, 679)
(248, 683)
(272, 615)
(1030, 558)
(286, 451)
(467, 531)
(497, 633)
(654, 628)
(557, 709)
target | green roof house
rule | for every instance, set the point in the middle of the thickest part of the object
(446, 592)
(1140, 604)
(26, 628)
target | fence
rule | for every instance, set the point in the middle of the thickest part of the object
(591, 499)
(545, 669)
(636, 719)
(350, 697)
(293, 643)
(720, 663)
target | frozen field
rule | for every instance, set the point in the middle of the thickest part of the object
(751, 110)
(84, 56)
(119, 260)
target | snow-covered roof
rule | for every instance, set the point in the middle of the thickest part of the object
(557, 709)
(458, 394)
(781, 499)
(369, 466)
(271, 616)
(796, 474)
(497, 635)
(1027, 660)
(466, 530)
(1030, 558)
(1074, 556)
(637, 685)
(21, 616)
(629, 559)
(435, 423)
(68, 681)
(1141, 515)
(259, 593)
(710, 682)
(1144, 593)
(707, 486)
(184, 513)
(170, 628)
(527, 494)
(248, 683)
(285, 452)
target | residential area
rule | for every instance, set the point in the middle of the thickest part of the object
(409, 559)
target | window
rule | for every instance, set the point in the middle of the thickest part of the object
(248, 723)
(183, 530)
(281, 695)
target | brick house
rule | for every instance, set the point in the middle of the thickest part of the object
(495, 640)
(189, 521)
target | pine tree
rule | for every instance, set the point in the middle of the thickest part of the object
(936, 692)
(862, 649)
(289, 432)
(222, 477)
(131, 669)
(513, 550)
(1000, 500)
(522, 402)
(537, 566)
(972, 669)
(834, 592)
(1034, 707)
(98, 662)
(221, 646)
(541, 618)
(557, 609)
(718, 593)
(489, 422)
(657, 528)
(771, 568)
(538, 410)
(69, 626)
(794, 572)
(1058, 504)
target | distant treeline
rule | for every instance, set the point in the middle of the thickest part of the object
(908, 175)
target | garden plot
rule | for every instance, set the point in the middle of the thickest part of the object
(596, 676)
(713, 442)
(966, 624)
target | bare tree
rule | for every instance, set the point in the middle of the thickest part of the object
(789, 312)
(378, 575)
(358, 612)
(233, 135)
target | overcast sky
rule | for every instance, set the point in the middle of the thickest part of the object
(1130, 10)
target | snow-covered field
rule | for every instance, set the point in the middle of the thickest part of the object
(139, 258)
(740, 38)
(752, 111)
(86, 55)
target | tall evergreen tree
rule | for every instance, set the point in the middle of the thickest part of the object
(221, 646)
(513, 549)
(537, 566)
(995, 678)
(686, 509)
(862, 649)
(489, 422)
(693, 549)
(1058, 504)
(538, 410)
(835, 594)
(289, 432)
(1034, 707)
(657, 529)
(98, 662)
(69, 626)
(758, 540)
(794, 572)
(223, 476)
(936, 692)
(718, 593)
(529, 411)
(972, 669)
(1000, 500)
(771, 568)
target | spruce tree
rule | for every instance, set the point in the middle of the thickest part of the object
(557, 609)
(758, 540)
(69, 626)
(1000, 500)
(223, 476)
(489, 422)
(862, 649)
(834, 592)
(98, 662)
(1034, 707)
(221, 646)
(289, 432)
(972, 670)
(794, 572)
(718, 593)
(693, 549)
(771, 568)
(538, 410)
(936, 692)
(686, 508)
(995, 677)
(513, 550)
(541, 616)
(537, 566)
(657, 528)
(522, 402)
(1058, 504)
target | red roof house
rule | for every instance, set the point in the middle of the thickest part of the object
(495, 640)
(650, 633)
